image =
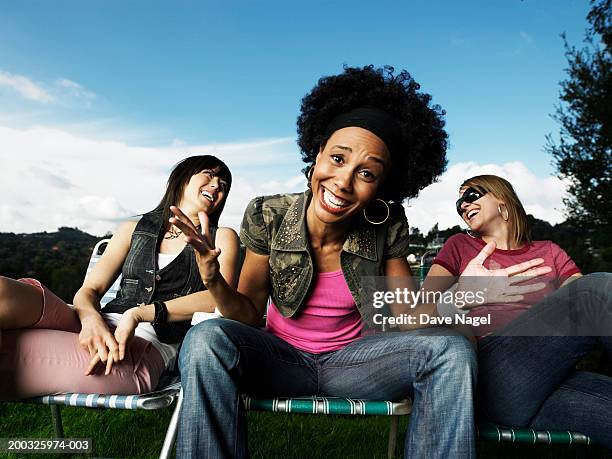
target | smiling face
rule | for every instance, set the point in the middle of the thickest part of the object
(482, 212)
(347, 175)
(205, 191)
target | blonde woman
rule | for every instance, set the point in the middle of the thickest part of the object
(539, 324)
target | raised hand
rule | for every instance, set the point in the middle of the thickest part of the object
(96, 337)
(503, 285)
(207, 255)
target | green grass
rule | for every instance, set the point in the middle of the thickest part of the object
(139, 434)
(118, 433)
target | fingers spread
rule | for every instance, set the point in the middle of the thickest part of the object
(92, 364)
(523, 289)
(514, 298)
(186, 229)
(522, 267)
(101, 347)
(181, 219)
(178, 214)
(485, 253)
(529, 274)
(109, 364)
(113, 348)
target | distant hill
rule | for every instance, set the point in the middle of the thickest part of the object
(59, 260)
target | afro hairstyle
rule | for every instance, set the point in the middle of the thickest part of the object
(422, 157)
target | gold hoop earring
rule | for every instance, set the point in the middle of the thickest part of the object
(309, 176)
(380, 222)
(501, 214)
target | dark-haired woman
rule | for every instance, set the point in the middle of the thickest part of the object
(370, 140)
(49, 347)
(541, 322)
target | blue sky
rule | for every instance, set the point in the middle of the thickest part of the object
(185, 74)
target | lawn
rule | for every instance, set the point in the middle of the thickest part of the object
(140, 434)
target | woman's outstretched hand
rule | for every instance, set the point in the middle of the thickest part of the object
(207, 255)
(503, 285)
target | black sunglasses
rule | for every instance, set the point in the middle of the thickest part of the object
(470, 195)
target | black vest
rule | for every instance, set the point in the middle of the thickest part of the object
(142, 282)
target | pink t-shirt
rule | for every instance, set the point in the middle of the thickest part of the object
(460, 249)
(328, 321)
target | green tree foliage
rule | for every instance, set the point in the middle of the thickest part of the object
(59, 260)
(583, 154)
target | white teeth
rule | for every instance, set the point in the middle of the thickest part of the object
(334, 201)
(208, 196)
(471, 213)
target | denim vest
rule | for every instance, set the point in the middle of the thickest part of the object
(276, 226)
(142, 282)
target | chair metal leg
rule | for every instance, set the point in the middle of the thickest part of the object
(393, 436)
(57, 421)
(172, 428)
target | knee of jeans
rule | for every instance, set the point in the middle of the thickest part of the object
(456, 350)
(597, 281)
(509, 415)
(204, 341)
(599, 284)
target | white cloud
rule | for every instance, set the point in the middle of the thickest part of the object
(51, 178)
(71, 89)
(62, 90)
(25, 87)
(541, 196)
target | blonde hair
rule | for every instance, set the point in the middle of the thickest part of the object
(520, 230)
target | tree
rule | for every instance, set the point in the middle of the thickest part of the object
(583, 154)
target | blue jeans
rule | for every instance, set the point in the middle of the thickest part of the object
(533, 381)
(221, 359)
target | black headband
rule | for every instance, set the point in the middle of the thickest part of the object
(373, 119)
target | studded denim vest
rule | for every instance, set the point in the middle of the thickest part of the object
(142, 282)
(276, 226)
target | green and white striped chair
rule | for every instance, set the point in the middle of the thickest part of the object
(335, 405)
(493, 432)
(162, 398)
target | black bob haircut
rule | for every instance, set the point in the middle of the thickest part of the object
(180, 176)
(422, 157)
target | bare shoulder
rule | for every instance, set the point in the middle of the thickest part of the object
(226, 237)
(126, 228)
(123, 234)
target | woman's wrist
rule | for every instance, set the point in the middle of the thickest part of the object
(212, 282)
(143, 312)
(87, 313)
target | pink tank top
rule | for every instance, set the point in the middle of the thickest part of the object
(327, 322)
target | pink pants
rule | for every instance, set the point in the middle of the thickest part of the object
(47, 358)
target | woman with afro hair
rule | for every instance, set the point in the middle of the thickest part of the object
(370, 140)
